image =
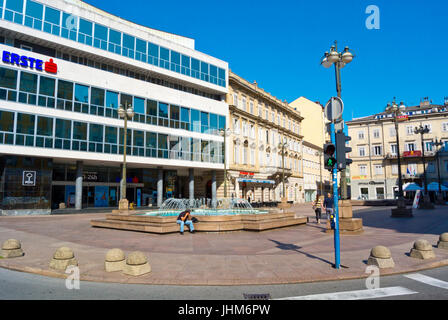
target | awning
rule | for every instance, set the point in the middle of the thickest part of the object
(411, 187)
(434, 186)
(256, 181)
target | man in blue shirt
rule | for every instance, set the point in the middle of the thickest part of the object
(329, 204)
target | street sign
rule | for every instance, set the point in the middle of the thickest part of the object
(29, 178)
(334, 109)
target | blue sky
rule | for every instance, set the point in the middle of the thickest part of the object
(279, 44)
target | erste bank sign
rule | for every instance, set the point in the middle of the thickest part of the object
(29, 62)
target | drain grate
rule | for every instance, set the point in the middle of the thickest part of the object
(255, 296)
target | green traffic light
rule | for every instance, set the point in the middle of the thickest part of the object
(331, 162)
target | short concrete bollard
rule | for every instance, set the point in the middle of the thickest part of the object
(11, 248)
(422, 250)
(381, 257)
(136, 264)
(62, 258)
(115, 260)
(443, 241)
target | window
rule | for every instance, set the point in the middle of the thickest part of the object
(378, 169)
(65, 90)
(445, 127)
(100, 40)
(428, 126)
(79, 130)
(236, 127)
(395, 169)
(244, 106)
(204, 122)
(25, 129)
(251, 107)
(28, 82)
(8, 78)
(410, 146)
(195, 121)
(393, 149)
(47, 86)
(377, 150)
(376, 133)
(235, 99)
(63, 134)
(392, 132)
(153, 52)
(97, 96)
(360, 135)
(112, 100)
(34, 12)
(252, 157)
(362, 151)
(6, 121)
(236, 154)
(362, 169)
(81, 93)
(428, 146)
(44, 126)
(409, 130)
(139, 105)
(95, 133)
(412, 169)
(52, 21)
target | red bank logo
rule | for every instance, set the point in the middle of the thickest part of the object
(24, 61)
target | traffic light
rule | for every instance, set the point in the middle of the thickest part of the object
(342, 150)
(329, 159)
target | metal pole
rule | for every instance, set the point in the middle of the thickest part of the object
(283, 173)
(400, 182)
(225, 166)
(423, 160)
(320, 163)
(123, 184)
(337, 253)
(438, 173)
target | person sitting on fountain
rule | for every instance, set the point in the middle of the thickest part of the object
(185, 218)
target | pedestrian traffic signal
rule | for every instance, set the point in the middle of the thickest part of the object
(342, 150)
(329, 159)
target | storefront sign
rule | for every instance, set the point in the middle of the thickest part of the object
(412, 154)
(90, 176)
(29, 178)
(359, 177)
(29, 62)
(243, 173)
(403, 118)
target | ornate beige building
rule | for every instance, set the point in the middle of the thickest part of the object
(314, 130)
(374, 171)
(259, 122)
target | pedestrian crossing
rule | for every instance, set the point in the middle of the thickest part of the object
(375, 293)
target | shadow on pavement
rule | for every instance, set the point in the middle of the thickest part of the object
(293, 247)
(424, 221)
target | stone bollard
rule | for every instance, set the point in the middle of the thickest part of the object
(136, 264)
(62, 258)
(115, 260)
(11, 248)
(422, 250)
(443, 241)
(380, 256)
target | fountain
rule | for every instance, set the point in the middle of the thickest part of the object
(204, 207)
(221, 215)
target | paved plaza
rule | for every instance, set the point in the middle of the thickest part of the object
(290, 255)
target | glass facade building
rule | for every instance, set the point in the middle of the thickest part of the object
(60, 123)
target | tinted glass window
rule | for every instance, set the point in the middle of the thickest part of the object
(114, 36)
(139, 138)
(65, 90)
(153, 50)
(128, 41)
(140, 46)
(34, 9)
(174, 112)
(44, 126)
(79, 130)
(47, 86)
(163, 141)
(111, 135)
(151, 108)
(85, 27)
(28, 82)
(6, 121)
(164, 54)
(52, 15)
(163, 110)
(15, 5)
(81, 93)
(139, 105)
(97, 96)
(63, 129)
(8, 78)
(96, 133)
(100, 32)
(126, 100)
(25, 123)
(151, 140)
(185, 114)
(112, 99)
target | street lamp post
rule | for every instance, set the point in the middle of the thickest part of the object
(401, 210)
(427, 204)
(339, 59)
(283, 145)
(126, 114)
(225, 133)
(439, 143)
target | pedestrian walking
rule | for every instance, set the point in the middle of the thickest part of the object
(329, 205)
(318, 206)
